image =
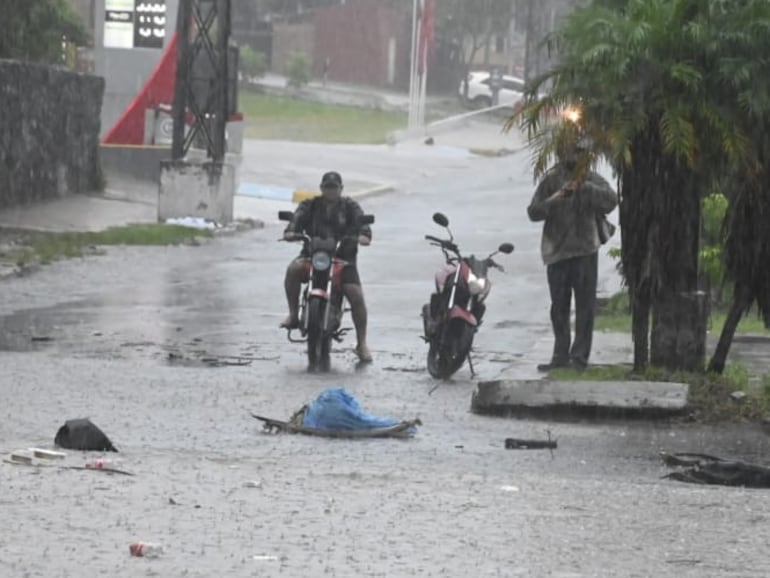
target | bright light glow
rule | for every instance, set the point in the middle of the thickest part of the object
(572, 114)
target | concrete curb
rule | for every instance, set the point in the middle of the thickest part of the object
(373, 192)
(599, 399)
(254, 191)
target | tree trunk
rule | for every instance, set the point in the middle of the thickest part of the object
(679, 309)
(640, 330)
(739, 306)
(678, 335)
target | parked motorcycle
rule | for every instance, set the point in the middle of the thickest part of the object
(321, 310)
(456, 309)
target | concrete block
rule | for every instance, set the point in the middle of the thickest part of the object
(235, 130)
(136, 162)
(600, 397)
(196, 189)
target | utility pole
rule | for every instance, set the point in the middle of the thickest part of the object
(528, 39)
(203, 35)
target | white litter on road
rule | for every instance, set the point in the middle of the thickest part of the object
(192, 222)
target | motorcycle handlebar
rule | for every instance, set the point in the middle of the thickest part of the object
(491, 263)
(443, 244)
(304, 237)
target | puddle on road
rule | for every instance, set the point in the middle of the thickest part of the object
(35, 329)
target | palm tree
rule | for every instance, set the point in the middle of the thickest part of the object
(747, 236)
(641, 73)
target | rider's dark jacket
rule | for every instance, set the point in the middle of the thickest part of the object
(319, 217)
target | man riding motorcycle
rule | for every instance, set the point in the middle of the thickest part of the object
(331, 216)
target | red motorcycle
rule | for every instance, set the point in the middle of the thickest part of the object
(321, 311)
(456, 309)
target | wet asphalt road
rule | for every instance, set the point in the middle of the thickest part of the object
(451, 502)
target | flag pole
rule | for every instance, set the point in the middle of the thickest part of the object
(423, 89)
(413, 68)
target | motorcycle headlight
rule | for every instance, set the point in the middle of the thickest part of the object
(476, 285)
(321, 261)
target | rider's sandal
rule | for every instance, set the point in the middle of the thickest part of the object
(290, 323)
(363, 354)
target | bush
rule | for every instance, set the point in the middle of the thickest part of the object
(298, 69)
(714, 210)
(712, 255)
(253, 64)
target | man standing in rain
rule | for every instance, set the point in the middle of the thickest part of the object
(573, 211)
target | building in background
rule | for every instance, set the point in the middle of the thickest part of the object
(364, 42)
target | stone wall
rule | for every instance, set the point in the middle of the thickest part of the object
(49, 132)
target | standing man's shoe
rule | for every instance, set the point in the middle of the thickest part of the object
(578, 365)
(546, 367)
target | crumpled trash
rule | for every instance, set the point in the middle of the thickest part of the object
(336, 409)
(192, 222)
(83, 435)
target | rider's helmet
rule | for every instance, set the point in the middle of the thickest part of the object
(331, 179)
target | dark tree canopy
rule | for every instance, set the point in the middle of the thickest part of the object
(35, 29)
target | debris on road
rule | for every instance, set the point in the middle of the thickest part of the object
(47, 454)
(193, 223)
(517, 444)
(145, 550)
(265, 558)
(335, 413)
(83, 435)
(203, 359)
(39, 458)
(706, 469)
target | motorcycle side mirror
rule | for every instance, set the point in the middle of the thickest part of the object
(440, 219)
(506, 248)
(365, 220)
(285, 215)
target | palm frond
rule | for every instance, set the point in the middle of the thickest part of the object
(678, 136)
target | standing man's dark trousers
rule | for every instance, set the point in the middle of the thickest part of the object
(578, 275)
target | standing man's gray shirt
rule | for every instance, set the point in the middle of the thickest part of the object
(570, 228)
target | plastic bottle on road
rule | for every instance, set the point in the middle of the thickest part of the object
(145, 550)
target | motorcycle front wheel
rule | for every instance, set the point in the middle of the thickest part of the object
(318, 342)
(449, 349)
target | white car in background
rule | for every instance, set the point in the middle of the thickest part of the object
(480, 91)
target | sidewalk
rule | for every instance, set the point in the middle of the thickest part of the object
(127, 202)
(519, 389)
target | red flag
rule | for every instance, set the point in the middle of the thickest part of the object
(427, 38)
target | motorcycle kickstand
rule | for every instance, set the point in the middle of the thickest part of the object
(470, 365)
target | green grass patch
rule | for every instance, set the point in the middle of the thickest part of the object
(277, 118)
(41, 247)
(710, 394)
(615, 317)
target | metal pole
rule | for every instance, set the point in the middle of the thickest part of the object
(413, 68)
(423, 90)
(222, 102)
(184, 14)
(528, 42)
